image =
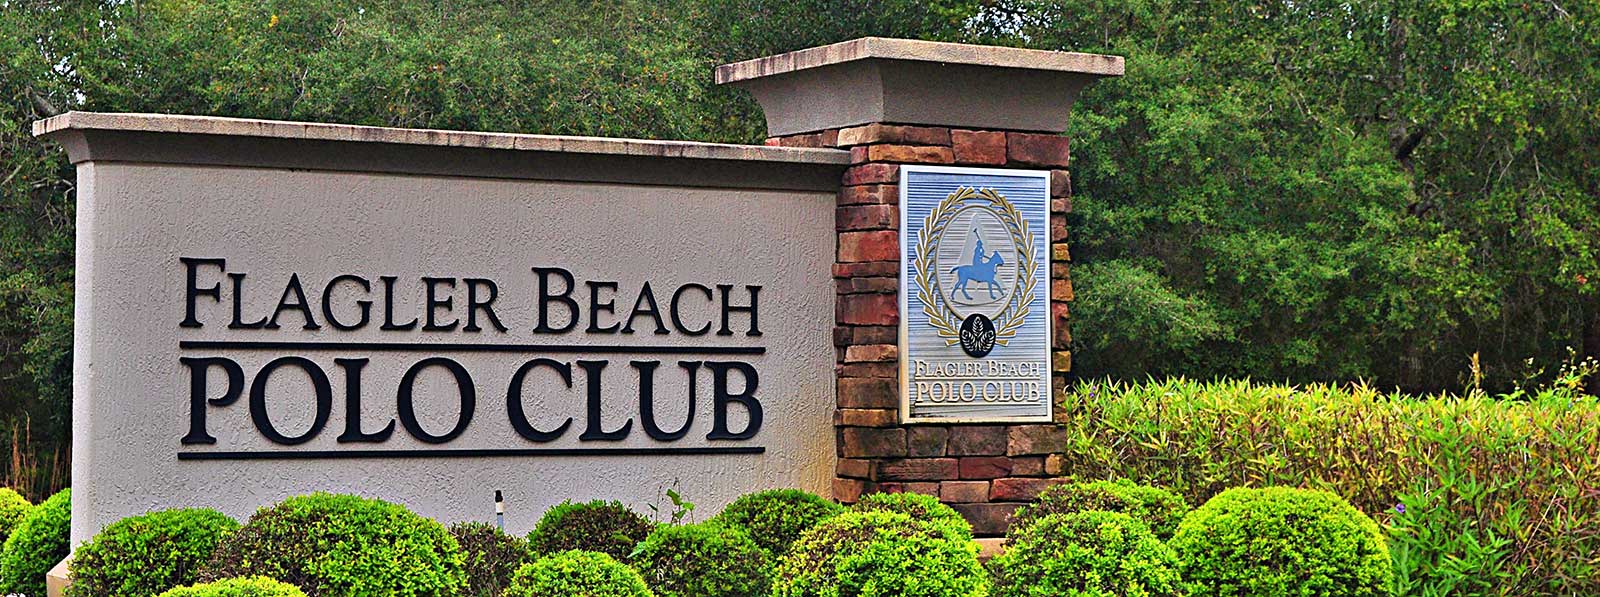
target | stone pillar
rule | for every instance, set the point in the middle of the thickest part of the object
(894, 102)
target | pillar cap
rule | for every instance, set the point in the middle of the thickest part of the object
(903, 81)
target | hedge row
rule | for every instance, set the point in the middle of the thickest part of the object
(1479, 495)
(1097, 539)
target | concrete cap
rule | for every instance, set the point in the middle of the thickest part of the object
(903, 81)
(218, 141)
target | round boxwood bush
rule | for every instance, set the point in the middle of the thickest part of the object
(37, 543)
(491, 557)
(607, 527)
(776, 517)
(879, 554)
(1162, 510)
(145, 555)
(577, 574)
(1086, 554)
(12, 508)
(1281, 541)
(255, 586)
(702, 560)
(338, 545)
(924, 508)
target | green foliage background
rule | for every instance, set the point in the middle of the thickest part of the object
(1313, 190)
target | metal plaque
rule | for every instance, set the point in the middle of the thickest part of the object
(975, 292)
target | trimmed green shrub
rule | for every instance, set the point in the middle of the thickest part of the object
(606, 527)
(1156, 507)
(577, 573)
(1281, 541)
(776, 517)
(491, 557)
(145, 555)
(1085, 554)
(255, 586)
(921, 508)
(36, 544)
(12, 508)
(879, 554)
(702, 560)
(338, 545)
(1459, 482)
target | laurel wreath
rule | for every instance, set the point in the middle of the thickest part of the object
(942, 318)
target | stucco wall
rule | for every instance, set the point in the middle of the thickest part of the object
(131, 394)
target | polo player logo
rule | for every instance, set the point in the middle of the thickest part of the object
(975, 236)
(980, 270)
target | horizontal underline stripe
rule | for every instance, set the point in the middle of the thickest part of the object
(467, 453)
(461, 347)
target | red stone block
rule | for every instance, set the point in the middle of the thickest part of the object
(866, 353)
(985, 467)
(906, 154)
(866, 217)
(1013, 489)
(867, 268)
(1061, 361)
(1061, 271)
(1031, 149)
(1055, 465)
(848, 490)
(868, 392)
(866, 417)
(872, 174)
(875, 334)
(853, 468)
(979, 147)
(1060, 253)
(987, 519)
(1036, 439)
(1027, 466)
(924, 441)
(978, 440)
(889, 370)
(964, 492)
(866, 442)
(918, 469)
(1060, 184)
(889, 133)
(877, 245)
(870, 194)
(861, 285)
(867, 309)
(1058, 228)
(1061, 205)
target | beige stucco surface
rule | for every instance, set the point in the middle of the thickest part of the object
(131, 404)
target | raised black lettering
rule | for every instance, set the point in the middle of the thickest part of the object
(258, 400)
(298, 293)
(434, 303)
(191, 291)
(519, 418)
(721, 398)
(545, 299)
(677, 313)
(352, 406)
(486, 305)
(654, 311)
(197, 394)
(238, 322)
(407, 406)
(647, 406)
(728, 307)
(388, 308)
(595, 431)
(365, 304)
(595, 307)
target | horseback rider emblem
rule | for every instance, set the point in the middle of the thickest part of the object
(975, 270)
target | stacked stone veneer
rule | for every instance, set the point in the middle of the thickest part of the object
(983, 471)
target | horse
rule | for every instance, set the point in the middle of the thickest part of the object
(981, 270)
